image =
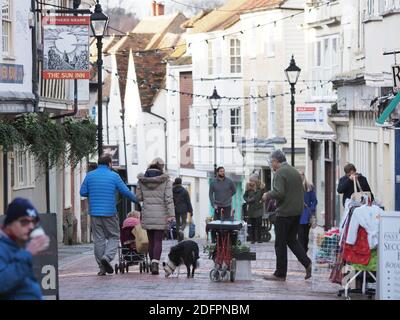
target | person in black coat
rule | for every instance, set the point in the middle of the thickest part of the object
(182, 206)
(346, 183)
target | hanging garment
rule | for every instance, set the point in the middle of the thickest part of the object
(360, 252)
(367, 217)
(372, 264)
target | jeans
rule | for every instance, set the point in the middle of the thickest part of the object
(303, 235)
(286, 229)
(155, 244)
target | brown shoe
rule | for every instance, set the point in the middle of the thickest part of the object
(273, 277)
(308, 272)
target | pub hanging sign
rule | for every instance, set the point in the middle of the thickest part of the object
(66, 47)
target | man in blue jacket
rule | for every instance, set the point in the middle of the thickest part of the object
(17, 281)
(100, 186)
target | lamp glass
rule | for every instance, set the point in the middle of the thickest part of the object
(215, 100)
(99, 22)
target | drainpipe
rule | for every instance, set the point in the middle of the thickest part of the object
(146, 109)
(35, 75)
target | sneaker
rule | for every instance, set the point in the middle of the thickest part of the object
(107, 266)
(308, 272)
(101, 273)
(273, 277)
(154, 268)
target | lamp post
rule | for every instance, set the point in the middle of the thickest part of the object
(292, 74)
(215, 102)
(99, 22)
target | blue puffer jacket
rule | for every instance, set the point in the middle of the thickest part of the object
(100, 186)
(17, 281)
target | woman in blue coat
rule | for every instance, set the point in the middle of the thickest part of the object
(307, 218)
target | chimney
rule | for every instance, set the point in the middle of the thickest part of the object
(154, 6)
(160, 9)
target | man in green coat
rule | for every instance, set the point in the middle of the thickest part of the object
(288, 191)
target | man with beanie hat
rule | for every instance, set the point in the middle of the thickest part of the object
(17, 281)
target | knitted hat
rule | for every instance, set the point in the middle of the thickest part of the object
(254, 177)
(177, 181)
(18, 208)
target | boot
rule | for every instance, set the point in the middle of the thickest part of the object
(154, 267)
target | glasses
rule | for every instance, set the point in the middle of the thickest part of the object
(24, 221)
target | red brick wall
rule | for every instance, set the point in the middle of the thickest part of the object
(186, 85)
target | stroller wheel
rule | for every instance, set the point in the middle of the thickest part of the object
(116, 268)
(122, 267)
(127, 268)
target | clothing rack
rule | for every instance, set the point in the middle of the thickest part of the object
(364, 290)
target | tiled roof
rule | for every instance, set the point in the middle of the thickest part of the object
(134, 42)
(150, 70)
(229, 14)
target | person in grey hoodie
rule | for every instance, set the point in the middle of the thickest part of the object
(222, 189)
(154, 189)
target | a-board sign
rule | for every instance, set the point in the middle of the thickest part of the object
(388, 286)
(45, 265)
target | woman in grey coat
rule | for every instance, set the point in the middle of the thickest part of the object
(155, 191)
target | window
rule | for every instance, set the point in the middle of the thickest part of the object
(318, 54)
(6, 27)
(236, 66)
(270, 43)
(210, 126)
(210, 57)
(371, 5)
(135, 158)
(24, 170)
(254, 112)
(272, 112)
(218, 54)
(235, 124)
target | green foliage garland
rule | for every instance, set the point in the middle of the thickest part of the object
(50, 141)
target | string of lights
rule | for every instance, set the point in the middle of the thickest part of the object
(195, 95)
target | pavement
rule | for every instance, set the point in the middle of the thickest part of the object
(78, 280)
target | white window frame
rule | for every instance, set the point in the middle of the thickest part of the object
(218, 57)
(271, 112)
(270, 42)
(254, 112)
(7, 20)
(235, 124)
(235, 58)
(324, 65)
(24, 170)
(210, 56)
(210, 126)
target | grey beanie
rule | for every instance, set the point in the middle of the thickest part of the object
(254, 177)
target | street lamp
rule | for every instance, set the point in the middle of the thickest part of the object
(292, 75)
(99, 22)
(215, 102)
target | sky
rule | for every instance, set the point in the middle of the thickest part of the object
(141, 7)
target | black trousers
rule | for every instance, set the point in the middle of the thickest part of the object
(217, 216)
(286, 229)
(255, 229)
(303, 235)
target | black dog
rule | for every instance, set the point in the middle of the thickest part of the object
(185, 252)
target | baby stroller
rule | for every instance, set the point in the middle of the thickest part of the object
(171, 233)
(128, 255)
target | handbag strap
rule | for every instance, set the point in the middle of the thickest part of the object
(357, 183)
